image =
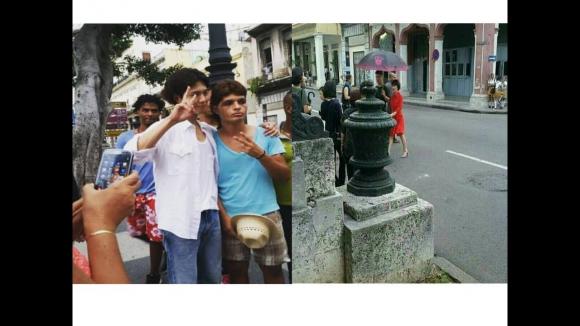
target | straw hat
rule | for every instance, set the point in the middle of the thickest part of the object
(255, 230)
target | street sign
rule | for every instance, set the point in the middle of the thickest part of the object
(115, 105)
(117, 119)
(491, 58)
(113, 132)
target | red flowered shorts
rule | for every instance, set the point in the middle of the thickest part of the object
(144, 219)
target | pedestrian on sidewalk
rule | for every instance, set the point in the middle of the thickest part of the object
(389, 92)
(143, 222)
(381, 92)
(346, 138)
(500, 92)
(491, 82)
(245, 148)
(284, 188)
(331, 113)
(346, 92)
(397, 114)
(298, 88)
(384, 91)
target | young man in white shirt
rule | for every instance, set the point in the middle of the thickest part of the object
(184, 154)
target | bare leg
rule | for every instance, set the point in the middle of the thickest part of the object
(390, 143)
(272, 274)
(405, 149)
(238, 271)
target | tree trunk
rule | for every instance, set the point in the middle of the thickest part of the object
(94, 84)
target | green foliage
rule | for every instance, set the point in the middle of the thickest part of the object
(255, 83)
(179, 34)
(121, 40)
(439, 276)
(148, 71)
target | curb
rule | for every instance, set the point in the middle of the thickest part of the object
(453, 270)
(451, 108)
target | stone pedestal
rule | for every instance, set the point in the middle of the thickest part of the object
(317, 215)
(387, 239)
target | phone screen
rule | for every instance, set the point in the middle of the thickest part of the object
(115, 165)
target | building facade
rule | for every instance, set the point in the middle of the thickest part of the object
(317, 48)
(450, 62)
(271, 52)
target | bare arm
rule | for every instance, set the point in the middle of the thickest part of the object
(226, 220)
(307, 108)
(150, 138)
(270, 129)
(182, 111)
(102, 212)
(106, 261)
(276, 167)
(384, 94)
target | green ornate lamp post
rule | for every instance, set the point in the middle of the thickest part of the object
(369, 128)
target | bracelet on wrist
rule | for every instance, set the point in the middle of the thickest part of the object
(99, 232)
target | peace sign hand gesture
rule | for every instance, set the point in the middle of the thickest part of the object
(249, 147)
(184, 110)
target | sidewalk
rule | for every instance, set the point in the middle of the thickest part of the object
(452, 105)
(135, 254)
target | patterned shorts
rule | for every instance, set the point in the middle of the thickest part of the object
(274, 253)
(144, 219)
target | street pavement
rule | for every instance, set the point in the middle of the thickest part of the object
(458, 162)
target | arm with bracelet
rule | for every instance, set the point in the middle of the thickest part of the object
(102, 211)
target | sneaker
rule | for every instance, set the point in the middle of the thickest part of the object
(152, 279)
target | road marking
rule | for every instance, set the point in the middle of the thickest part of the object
(422, 177)
(478, 160)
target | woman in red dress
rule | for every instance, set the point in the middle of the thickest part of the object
(396, 104)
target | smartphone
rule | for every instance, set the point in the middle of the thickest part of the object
(115, 164)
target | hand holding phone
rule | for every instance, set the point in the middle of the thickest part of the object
(115, 165)
(105, 209)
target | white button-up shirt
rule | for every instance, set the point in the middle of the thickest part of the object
(183, 189)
